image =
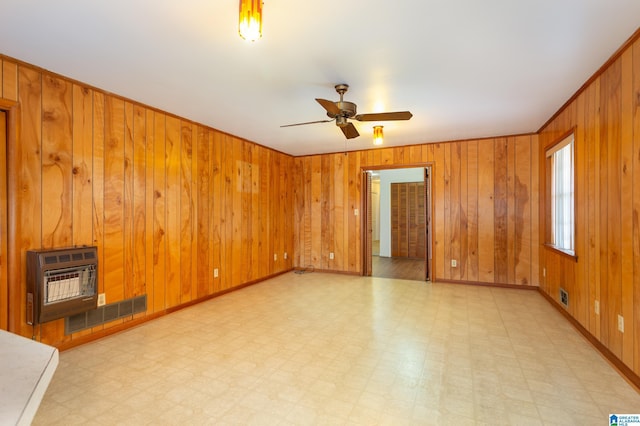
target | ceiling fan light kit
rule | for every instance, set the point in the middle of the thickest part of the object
(342, 111)
(250, 21)
(378, 138)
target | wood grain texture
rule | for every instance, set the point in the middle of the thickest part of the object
(606, 121)
(10, 80)
(165, 200)
(636, 205)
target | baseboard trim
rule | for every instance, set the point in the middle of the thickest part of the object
(486, 284)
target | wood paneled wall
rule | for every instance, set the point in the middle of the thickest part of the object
(606, 119)
(165, 200)
(485, 205)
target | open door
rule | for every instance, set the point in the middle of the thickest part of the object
(427, 220)
(367, 266)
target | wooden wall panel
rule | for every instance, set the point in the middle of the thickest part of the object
(468, 178)
(472, 211)
(98, 183)
(139, 201)
(188, 238)
(636, 205)
(204, 253)
(164, 199)
(486, 210)
(82, 179)
(127, 202)
(605, 120)
(9, 80)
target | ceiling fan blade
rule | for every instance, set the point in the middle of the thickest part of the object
(350, 131)
(330, 106)
(308, 122)
(384, 116)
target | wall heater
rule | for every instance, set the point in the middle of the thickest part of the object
(61, 282)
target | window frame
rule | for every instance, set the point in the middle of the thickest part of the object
(564, 140)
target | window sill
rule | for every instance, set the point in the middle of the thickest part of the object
(562, 252)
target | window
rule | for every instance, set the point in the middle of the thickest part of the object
(560, 196)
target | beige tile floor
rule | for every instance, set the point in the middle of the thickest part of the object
(333, 349)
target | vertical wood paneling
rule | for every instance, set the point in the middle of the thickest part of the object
(204, 284)
(454, 209)
(155, 193)
(486, 208)
(159, 213)
(437, 198)
(217, 224)
(114, 199)
(501, 211)
(57, 149)
(82, 170)
(472, 210)
(636, 206)
(172, 212)
(535, 212)
(605, 116)
(592, 143)
(626, 208)
(9, 80)
(463, 262)
(611, 107)
(98, 182)
(139, 200)
(186, 212)
(338, 212)
(468, 179)
(149, 213)
(522, 244)
(127, 216)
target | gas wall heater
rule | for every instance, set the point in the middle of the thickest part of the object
(61, 282)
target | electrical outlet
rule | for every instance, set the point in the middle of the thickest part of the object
(285, 255)
(275, 257)
(331, 255)
(215, 273)
(621, 323)
(102, 299)
(454, 263)
(355, 212)
(596, 307)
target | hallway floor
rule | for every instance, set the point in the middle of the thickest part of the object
(317, 348)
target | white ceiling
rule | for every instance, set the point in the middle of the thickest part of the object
(464, 68)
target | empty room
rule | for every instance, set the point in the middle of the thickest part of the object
(338, 213)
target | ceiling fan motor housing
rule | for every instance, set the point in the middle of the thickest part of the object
(347, 110)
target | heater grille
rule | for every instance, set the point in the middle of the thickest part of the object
(104, 314)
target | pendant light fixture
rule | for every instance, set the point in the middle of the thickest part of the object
(250, 22)
(378, 138)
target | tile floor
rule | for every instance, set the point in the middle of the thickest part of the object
(333, 349)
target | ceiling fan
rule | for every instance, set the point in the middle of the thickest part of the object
(342, 111)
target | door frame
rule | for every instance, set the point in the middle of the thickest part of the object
(365, 217)
(9, 255)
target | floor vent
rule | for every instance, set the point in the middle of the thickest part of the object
(564, 298)
(106, 313)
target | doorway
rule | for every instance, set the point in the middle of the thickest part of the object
(397, 222)
(4, 286)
